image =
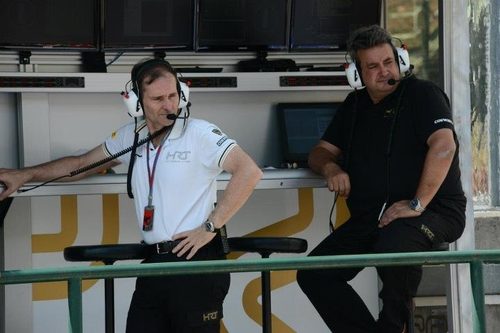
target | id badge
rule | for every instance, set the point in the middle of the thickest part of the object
(147, 222)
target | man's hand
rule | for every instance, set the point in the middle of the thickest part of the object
(323, 160)
(12, 179)
(397, 210)
(192, 241)
(337, 179)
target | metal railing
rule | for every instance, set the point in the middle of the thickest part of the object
(75, 275)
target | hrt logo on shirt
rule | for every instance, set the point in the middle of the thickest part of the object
(178, 156)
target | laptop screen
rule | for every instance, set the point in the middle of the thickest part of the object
(302, 126)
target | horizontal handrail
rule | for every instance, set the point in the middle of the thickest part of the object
(246, 265)
(74, 275)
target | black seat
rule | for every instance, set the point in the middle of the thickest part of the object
(108, 254)
(265, 246)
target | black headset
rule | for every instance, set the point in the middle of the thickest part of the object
(133, 97)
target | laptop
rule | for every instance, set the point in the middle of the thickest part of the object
(301, 127)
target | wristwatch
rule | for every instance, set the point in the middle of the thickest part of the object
(210, 227)
(416, 205)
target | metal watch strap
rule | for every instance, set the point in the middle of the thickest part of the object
(416, 205)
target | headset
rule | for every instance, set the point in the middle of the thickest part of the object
(354, 74)
(133, 98)
(135, 108)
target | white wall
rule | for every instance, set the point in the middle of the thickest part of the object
(8, 131)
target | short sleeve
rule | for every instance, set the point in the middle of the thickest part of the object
(120, 140)
(215, 146)
(432, 110)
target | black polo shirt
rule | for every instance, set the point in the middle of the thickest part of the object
(384, 146)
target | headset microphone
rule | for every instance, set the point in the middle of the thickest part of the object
(409, 73)
(392, 82)
(172, 116)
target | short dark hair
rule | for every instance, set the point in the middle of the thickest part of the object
(367, 37)
(151, 69)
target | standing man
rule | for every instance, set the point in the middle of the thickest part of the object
(392, 152)
(174, 189)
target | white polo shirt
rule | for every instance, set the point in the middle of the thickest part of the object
(184, 188)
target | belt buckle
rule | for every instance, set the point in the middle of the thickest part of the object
(160, 251)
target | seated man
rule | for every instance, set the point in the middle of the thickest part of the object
(392, 152)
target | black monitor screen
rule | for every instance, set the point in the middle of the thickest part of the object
(302, 126)
(148, 24)
(326, 24)
(242, 25)
(49, 24)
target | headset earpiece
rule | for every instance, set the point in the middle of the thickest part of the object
(183, 94)
(353, 75)
(403, 59)
(134, 108)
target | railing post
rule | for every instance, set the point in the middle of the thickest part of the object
(266, 299)
(109, 305)
(75, 305)
(478, 316)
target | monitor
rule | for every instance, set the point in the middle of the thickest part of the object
(148, 24)
(325, 25)
(241, 25)
(49, 24)
(301, 127)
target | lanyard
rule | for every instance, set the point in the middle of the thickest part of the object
(151, 173)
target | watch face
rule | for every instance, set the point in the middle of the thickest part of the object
(209, 226)
(416, 206)
(413, 204)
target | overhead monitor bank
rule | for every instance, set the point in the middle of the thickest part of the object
(184, 25)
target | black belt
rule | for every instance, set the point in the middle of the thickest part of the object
(162, 247)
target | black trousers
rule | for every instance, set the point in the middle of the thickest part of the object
(336, 301)
(179, 303)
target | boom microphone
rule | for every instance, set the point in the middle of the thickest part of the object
(171, 116)
(392, 82)
(175, 116)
